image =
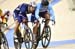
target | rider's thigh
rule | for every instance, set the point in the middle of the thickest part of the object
(17, 24)
(36, 24)
(25, 19)
(47, 15)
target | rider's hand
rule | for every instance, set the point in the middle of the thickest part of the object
(6, 28)
(53, 22)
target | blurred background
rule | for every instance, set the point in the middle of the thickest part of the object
(63, 32)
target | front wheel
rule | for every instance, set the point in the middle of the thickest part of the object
(18, 40)
(28, 39)
(46, 36)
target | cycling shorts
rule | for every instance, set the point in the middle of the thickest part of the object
(20, 18)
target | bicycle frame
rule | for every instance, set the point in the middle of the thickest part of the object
(40, 29)
(22, 27)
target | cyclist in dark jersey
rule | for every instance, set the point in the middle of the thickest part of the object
(20, 15)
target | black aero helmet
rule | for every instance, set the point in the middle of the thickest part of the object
(45, 2)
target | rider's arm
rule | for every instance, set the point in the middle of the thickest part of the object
(52, 16)
(16, 12)
(37, 11)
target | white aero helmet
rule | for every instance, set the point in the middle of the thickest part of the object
(6, 10)
(33, 3)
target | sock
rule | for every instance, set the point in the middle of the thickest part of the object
(34, 36)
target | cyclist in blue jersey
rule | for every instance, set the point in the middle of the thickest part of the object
(44, 10)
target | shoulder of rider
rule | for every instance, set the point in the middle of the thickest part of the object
(25, 7)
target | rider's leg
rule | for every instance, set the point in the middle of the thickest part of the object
(47, 18)
(16, 29)
(35, 31)
(25, 21)
(18, 20)
(36, 23)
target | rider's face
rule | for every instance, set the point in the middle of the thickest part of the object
(31, 9)
(45, 2)
(8, 13)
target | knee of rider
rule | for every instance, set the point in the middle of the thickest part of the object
(37, 23)
(25, 21)
(47, 15)
(16, 23)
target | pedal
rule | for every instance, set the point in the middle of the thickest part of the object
(35, 42)
(16, 40)
(20, 39)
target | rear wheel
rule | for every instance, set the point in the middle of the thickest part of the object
(46, 36)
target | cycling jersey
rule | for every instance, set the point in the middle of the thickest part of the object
(33, 18)
(43, 8)
(20, 12)
(40, 8)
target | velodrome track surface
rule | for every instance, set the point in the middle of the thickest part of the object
(66, 46)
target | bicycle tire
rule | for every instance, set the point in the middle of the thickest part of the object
(47, 35)
(17, 45)
(28, 39)
(35, 45)
(4, 41)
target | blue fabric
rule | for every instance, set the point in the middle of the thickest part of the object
(23, 9)
(33, 18)
(20, 10)
(19, 18)
(50, 10)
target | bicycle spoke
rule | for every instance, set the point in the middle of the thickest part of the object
(4, 42)
(30, 44)
(26, 45)
(30, 37)
(5, 46)
(44, 41)
(28, 40)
